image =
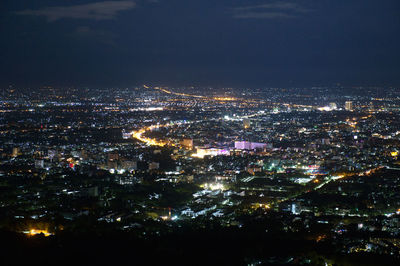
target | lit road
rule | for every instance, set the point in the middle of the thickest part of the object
(222, 99)
(138, 134)
(333, 178)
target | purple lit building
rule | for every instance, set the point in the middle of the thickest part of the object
(247, 145)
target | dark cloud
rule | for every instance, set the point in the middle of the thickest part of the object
(277, 10)
(278, 5)
(97, 11)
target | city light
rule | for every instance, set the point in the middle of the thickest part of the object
(33, 232)
(252, 157)
(200, 132)
(149, 141)
(214, 186)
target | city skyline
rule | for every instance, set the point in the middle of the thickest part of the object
(302, 175)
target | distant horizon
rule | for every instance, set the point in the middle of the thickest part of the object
(337, 85)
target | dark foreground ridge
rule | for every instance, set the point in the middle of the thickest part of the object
(215, 245)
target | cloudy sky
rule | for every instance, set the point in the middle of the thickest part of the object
(199, 42)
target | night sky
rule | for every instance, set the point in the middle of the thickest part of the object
(199, 42)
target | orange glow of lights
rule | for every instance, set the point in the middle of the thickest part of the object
(261, 205)
(194, 96)
(33, 232)
(152, 142)
(179, 94)
(319, 238)
(224, 99)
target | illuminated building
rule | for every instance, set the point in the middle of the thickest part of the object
(201, 152)
(129, 165)
(39, 163)
(295, 208)
(126, 135)
(187, 143)
(51, 154)
(332, 106)
(246, 123)
(15, 152)
(247, 145)
(348, 106)
(254, 169)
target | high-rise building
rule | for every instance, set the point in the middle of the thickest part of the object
(295, 208)
(15, 152)
(348, 106)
